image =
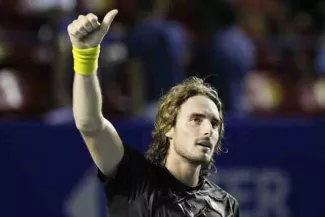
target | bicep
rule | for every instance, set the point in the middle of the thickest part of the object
(105, 147)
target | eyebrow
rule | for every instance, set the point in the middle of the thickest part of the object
(214, 118)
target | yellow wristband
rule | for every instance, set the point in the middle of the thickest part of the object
(85, 61)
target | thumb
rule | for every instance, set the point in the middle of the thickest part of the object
(108, 20)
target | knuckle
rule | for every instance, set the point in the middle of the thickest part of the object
(92, 18)
(70, 29)
(86, 22)
(91, 15)
(83, 22)
(75, 23)
(73, 32)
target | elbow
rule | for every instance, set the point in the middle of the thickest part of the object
(90, 126)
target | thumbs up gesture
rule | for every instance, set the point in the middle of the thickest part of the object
(87, 32)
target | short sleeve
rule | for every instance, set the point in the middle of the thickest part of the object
(236, 208)
(129, 177)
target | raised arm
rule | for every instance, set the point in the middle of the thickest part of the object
(101, 138)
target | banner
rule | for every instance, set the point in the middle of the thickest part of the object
(274, 168)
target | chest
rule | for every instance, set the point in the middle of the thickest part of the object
(174, 204)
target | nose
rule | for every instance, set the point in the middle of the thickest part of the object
(206, 128)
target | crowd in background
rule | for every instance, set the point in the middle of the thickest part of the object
(266, 58)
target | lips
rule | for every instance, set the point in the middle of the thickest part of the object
(206, 144)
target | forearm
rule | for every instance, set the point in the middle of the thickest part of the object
(87, 103)
(86, 34)
(87, 100)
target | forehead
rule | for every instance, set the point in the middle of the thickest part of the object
(201, 105)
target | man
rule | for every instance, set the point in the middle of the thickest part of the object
(171, 179)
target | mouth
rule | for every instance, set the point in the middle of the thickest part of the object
(205, 144)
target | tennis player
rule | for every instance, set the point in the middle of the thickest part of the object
(171, 178)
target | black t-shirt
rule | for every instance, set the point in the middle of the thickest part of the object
(141, 189)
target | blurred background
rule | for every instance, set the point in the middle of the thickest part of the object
(265, 57)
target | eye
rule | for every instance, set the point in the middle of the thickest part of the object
(196, 119)
(215, 124)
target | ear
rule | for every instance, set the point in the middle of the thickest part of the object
(170, 133)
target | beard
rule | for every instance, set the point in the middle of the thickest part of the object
(197, 158)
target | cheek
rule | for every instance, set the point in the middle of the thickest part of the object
(186, 134)
(215, 137)
(186, 129)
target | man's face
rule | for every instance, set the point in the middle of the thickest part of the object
(196, 132)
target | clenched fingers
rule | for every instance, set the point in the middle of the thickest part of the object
(93, 20)
(83, 25)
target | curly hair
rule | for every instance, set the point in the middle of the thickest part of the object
(168, 109)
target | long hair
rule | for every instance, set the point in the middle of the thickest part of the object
(168, 109)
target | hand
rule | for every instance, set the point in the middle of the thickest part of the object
(86, 31)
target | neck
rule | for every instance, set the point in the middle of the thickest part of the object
(183, 170)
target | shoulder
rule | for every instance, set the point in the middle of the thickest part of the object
(134, 158)
(218, 193)
(133, 165)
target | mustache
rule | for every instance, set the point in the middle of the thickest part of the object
(205, 142)
(204, 139)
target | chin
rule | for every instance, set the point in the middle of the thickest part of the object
(200, 160)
